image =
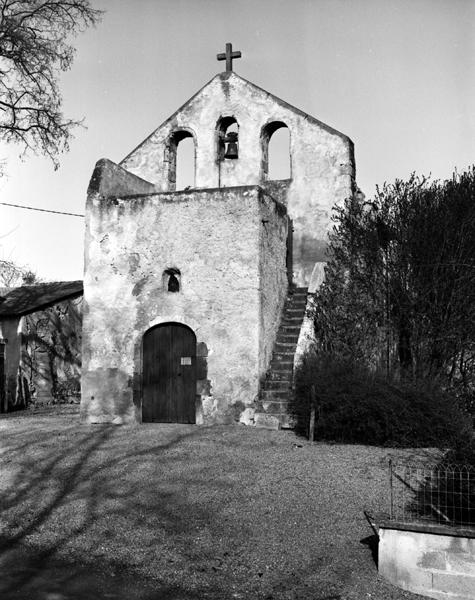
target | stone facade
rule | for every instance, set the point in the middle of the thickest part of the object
(233, 285)
(322, 161)
(226, 239)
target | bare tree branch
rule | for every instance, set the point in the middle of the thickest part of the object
(34, 49)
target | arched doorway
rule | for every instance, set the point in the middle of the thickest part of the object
(169, 374)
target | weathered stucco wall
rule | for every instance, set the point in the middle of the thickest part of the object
(109, 179)
(272, 274)
(322, 162)
(214, 238)
(434, 565)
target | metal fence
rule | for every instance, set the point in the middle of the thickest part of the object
(443, 494)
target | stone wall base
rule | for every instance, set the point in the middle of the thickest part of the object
(429, 562)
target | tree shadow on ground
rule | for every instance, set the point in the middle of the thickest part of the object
(174, 512)
(30, 575)
(61, 497)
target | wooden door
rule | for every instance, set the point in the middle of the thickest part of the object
(169, 374)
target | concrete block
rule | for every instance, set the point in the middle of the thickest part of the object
(443, 596)
(434, 565)
(433, 560)
(461, 562)
(462, 585)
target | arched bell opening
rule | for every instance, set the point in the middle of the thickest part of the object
(181, 151)
(227, 139)
(276, 156)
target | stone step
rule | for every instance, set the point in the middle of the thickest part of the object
(296, 296)
(295, 304)
(278, 374)
(293, 322)
(281, 370)
(281, 395)
(276, 394)
(281, 367)
(283, 357)
(292, 318)
(300, 298)
(285, 346)
(275, 408)
(276, 384)
(287, 421)
(298, 301)
(291, 315)
(294, 311)
(277, 388)
(287, 329)
(264, 421)
(283, 349)
(287, 338)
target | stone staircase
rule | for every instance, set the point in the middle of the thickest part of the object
(277, 388)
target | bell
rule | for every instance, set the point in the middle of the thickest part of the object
(231, 150)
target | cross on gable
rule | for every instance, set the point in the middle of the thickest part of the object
(228, 56)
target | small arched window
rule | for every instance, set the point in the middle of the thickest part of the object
(227, 139)
(172, 280)
(276, 159)
(181, 160)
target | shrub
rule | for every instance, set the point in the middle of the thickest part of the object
(463, 452)
(354, 405)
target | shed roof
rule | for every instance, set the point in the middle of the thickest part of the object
(26, 299)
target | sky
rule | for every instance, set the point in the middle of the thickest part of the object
(396, 76)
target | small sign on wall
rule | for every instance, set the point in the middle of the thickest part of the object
(185, 360)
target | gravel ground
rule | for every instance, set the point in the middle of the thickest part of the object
(152, 512)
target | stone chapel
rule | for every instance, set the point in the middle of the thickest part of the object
(194, 300)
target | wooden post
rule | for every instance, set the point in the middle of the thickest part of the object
(391, 497)
(289, 260)
(3, 390)
(311, 429)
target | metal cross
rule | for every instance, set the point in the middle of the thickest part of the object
(228, 56)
